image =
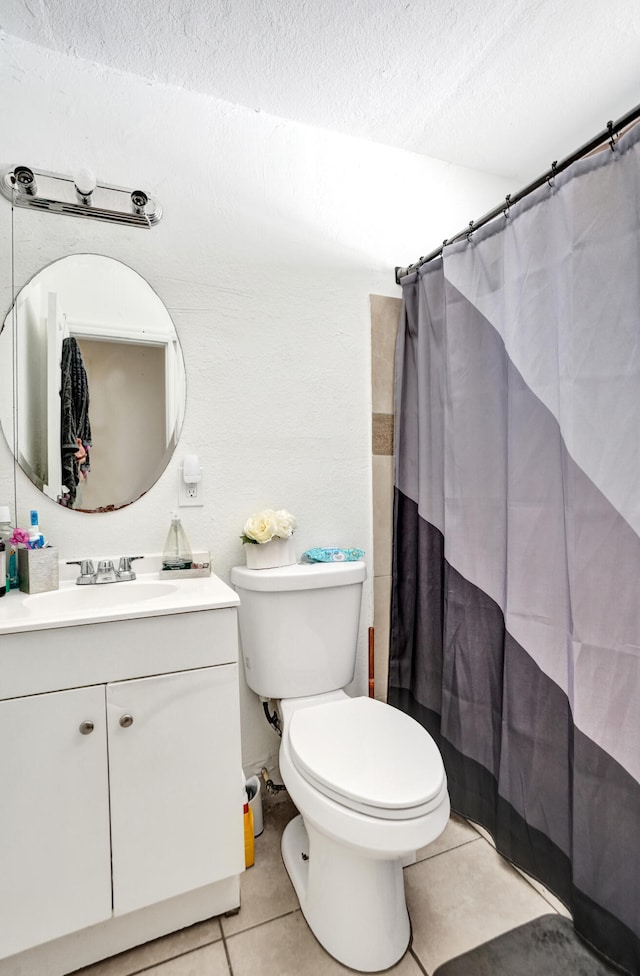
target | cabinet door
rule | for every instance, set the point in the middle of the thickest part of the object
(55, 872)
(175, 779)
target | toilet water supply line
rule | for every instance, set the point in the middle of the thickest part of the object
(274, 722)
(272, 718)
(271, 787)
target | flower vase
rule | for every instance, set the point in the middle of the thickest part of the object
(270, 555)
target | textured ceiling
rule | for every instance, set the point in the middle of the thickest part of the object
(500, 85)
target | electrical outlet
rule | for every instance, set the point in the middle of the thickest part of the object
(190, 495)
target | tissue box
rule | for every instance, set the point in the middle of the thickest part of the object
(38, 570)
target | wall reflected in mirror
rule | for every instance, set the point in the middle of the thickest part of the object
(100, 383)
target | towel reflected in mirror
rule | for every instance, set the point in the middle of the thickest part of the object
(75, 427)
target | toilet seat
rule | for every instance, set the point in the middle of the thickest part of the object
(367, 756)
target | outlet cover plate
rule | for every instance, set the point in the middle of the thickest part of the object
(190, 496)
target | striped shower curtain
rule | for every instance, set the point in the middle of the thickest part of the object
(515, 634)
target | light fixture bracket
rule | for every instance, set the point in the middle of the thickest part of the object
(40, 190)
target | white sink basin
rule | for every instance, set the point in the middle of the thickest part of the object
(147, 596)
(100, 596)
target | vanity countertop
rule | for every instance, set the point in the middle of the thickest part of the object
(146, 596)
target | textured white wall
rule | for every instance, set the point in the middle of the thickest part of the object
(274, 236)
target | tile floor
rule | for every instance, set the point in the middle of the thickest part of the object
(459, 892)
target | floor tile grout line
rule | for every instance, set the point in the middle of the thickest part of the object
(265, 921)
(179, 955)
(530, 879)
(226, 952)
(550, 903)
(431, 857)
(417, 961)
(158, 962)
(536, 884)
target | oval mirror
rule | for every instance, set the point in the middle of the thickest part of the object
(100, 383)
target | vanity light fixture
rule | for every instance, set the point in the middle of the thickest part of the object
(79, 196)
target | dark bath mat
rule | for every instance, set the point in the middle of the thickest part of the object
(547, 946)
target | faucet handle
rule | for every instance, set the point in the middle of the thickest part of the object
(87, 570)
(106, 572)
(124, 568)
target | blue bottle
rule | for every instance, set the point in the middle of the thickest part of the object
(11, 560)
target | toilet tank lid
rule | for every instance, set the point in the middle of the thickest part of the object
(299, 576)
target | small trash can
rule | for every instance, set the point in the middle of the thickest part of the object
(255, 802)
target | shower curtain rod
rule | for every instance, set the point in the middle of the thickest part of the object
(609, 135)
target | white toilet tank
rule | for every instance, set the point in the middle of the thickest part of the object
(299, 626)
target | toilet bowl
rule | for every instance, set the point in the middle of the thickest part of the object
(368, 780)
(360, 816)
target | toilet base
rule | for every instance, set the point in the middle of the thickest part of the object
(354, 905)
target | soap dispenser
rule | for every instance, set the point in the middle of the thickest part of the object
(177, 551)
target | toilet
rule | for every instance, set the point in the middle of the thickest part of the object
(368, 781)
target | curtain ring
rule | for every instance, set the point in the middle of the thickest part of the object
(551, 179)
(612, 136)
(470, 231)
(507, 209)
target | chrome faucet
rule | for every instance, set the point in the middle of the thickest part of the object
(87, 571)
(124, 567)
(106, 572)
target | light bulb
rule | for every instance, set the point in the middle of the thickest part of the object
(85, 181)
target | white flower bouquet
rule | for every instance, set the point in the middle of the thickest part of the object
(268, 525)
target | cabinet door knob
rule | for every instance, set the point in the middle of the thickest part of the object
(126, 721)
(86, 728)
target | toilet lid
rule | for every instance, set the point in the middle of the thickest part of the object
(369, 756)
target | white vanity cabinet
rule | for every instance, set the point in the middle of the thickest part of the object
(176, 802)
(55, 872)
(120, 785)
